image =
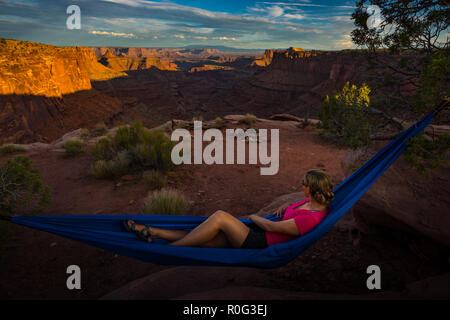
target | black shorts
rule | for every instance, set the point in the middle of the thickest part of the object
(256, 238)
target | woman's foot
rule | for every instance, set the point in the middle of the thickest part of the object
(143, 232)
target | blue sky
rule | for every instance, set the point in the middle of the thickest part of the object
(309, 24)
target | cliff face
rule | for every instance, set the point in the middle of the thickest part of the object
(46, 90)
(33, 69)
(171, 53)
(315, 71)
(128, 64)
(291, 53)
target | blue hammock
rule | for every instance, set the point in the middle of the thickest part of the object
(107, 231)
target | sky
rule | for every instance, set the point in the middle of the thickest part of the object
(242, 24)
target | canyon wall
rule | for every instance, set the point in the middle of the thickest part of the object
(313, 70)
(28, 68)
(172, 53)
(122, 63)
(46, 90)
(295, 81)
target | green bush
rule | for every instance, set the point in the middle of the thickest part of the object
(166, 202)
(344, 119)
(99, 130)
(423, 154)
(218, 123)
(249, 119)
(100, 170)
(84, 134)
(72, 148)
(133, 148)
(433, 81)
(114, 168)
(102, 149)
(21, 187)
(8, 149)
(155, 179)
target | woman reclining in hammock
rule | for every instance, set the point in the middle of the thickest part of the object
(222, 230)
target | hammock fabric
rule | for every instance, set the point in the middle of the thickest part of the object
(107, 231)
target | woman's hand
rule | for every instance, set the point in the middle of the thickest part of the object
(281, 210)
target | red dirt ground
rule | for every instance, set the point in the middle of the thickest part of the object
(34, 263)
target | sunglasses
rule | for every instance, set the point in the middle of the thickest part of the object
(303, 183)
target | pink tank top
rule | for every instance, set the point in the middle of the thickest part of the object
(305, 220)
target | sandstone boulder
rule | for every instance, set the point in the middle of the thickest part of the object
(404, 199)
(282, 200)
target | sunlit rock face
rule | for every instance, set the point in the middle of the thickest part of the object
(46, 90)
(28, 68)
(123, 63)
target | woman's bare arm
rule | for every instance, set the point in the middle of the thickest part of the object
(287, 226)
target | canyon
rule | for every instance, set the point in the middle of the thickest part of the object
(47, 91)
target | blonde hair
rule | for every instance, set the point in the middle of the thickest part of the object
(320, 186)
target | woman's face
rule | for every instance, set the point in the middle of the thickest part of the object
(305, 188)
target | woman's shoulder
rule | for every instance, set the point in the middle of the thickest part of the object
(298, 204)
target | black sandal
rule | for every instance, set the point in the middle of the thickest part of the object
(145, 234)
(131, 228)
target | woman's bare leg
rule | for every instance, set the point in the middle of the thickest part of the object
(166, 234)
(220, 241)
(235, 231)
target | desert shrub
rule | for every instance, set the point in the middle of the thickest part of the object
(167, 129)
(423, 154)
(102, 149)
(166, 202)
(155, 179)
(118, 166)
(249, 119)
(72, 148)
(198, 118)
(9, 148)
(84, 133)
(100, 170)
(99, 130)
(218, 123)
(21, 187)
(344, 119)
(133, 148)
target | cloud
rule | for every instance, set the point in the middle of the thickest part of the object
(344, 43)
(140, 22)
(307, 4)
(295, 16)
(225, 39)
(113, 34)
(275, 11)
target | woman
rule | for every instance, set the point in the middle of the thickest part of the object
(222, 230)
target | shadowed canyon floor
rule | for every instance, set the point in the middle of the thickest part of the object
(33, 263)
